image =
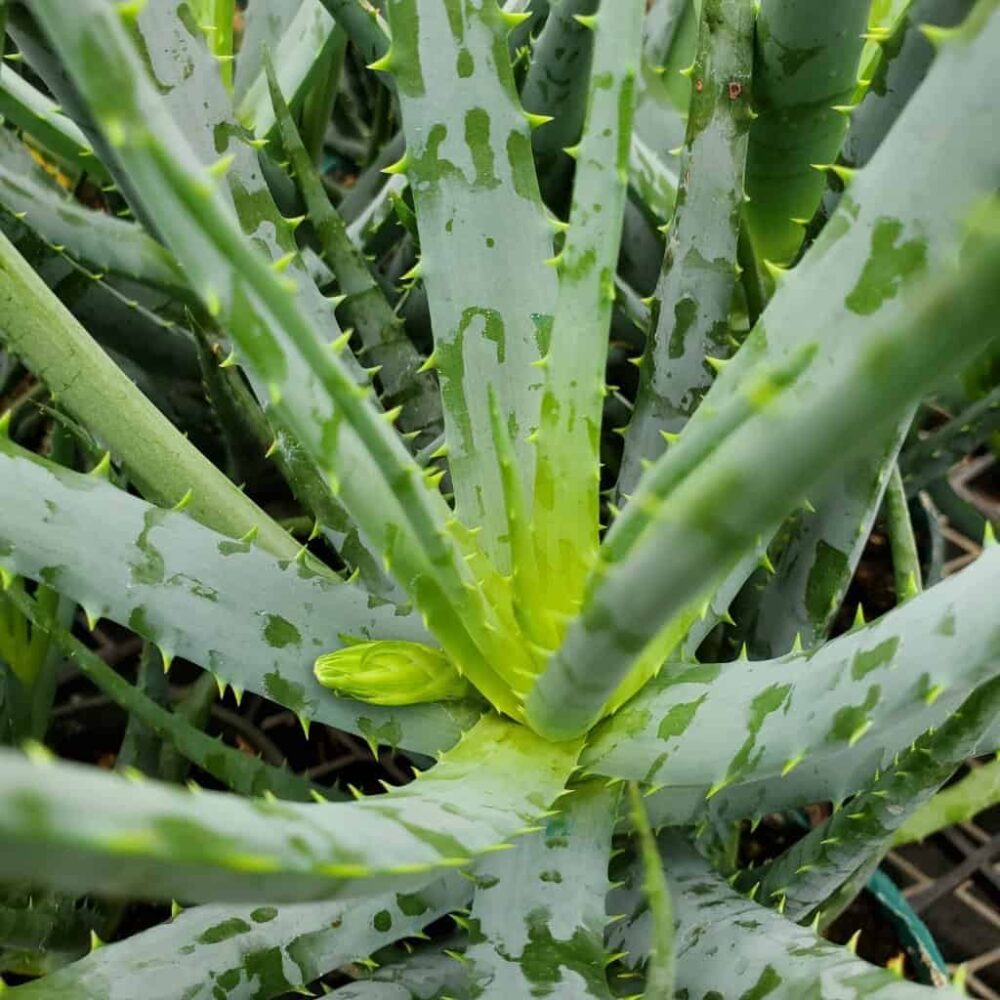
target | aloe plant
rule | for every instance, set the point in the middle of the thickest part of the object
(483, 577)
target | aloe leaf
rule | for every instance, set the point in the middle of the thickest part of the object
(366, 307)
(808, 726)
(300, 49)
(905, 555)
(651, 180)
(664, 92)
(469, 164)
(555, 85)
(730, 945)
(855, 289)
(311, 389)
(155, 841)
(978, 791)
(255, 622)
(696, 284)
(798, 600)
(41, 932)
(265, 25)
(141, 744)
(537, 921)
(240, 772)
(660, 971)
(429, 972)
(804, 66)
(826, 545)
(904, 58)
(196, 101)
(99, 240)
(41, 118)
(930, 458)
(567, 474)
(160, 461)
(250, 952)
(363, 24)
(814, 868)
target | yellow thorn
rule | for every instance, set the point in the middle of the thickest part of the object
(222, 165)
(184, 502)
(103, 468)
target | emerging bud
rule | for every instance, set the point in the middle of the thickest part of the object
(391, 672)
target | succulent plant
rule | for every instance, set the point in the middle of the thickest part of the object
(541, 611)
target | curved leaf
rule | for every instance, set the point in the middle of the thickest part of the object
(696, 284)
(254, 621)
(731, 946)
(808, 726)
(249, 952)
(805, 65)
(476, 196)
(565, 507)
(538, 913)
(833, 854)
(150, 840)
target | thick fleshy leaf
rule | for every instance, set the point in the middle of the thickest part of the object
(695, 289)
(476, 196)
(95, 238)
(248, 952)
(732, 946)
(978, 791)
(848, 844)
(160, 461)
(254, 621)
(805, 66)
(808, 726)
(151, 840)
(537, 923)
(565, 508)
